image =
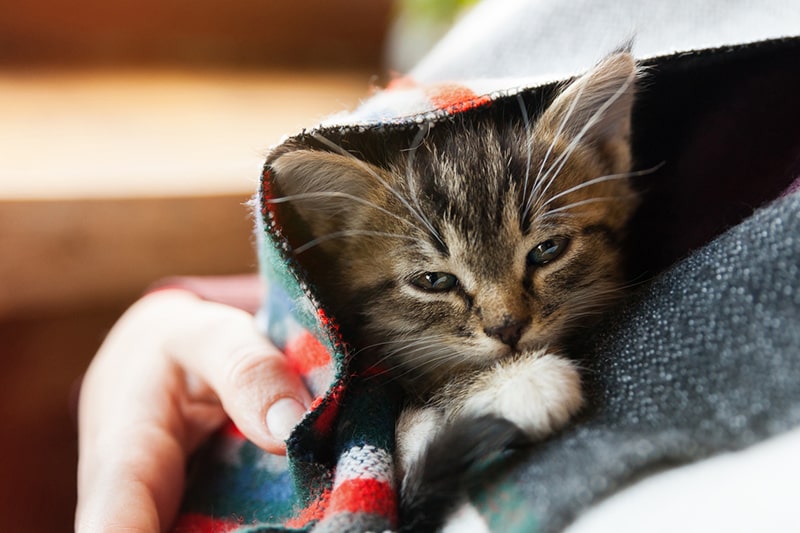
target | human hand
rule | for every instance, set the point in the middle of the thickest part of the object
(170, 372)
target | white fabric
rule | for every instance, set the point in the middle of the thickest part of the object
(750, 491)
(560, 38)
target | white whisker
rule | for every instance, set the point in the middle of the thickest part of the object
(336, 194)
(411, 183)
(432, 360)
(602, 179)
(327, 142)
(404, 340)
(539, 177)
(577, 204)
(349, 233)
(563, 158)
(528, 146)
(418, 343)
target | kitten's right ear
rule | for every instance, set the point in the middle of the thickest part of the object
(597, 107)
(320, 186)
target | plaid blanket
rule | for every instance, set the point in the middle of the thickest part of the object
(701, 358)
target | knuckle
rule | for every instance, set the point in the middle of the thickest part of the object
(249, 365)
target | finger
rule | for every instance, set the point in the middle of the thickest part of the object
(153, 392)
(137, 490)
(255, 383)
(137, 422)
(133, 432)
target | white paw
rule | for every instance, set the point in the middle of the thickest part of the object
(416, 428)
(538, 392)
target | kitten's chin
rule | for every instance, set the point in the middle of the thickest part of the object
(540, 340)
(499, 351)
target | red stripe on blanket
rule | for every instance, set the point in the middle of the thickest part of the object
(327, 321)
(454, 98)
(198, 523)
(266, 191)
(330, 409)
(306, 353)
(312, 513)
(365, 496)
(230, 430)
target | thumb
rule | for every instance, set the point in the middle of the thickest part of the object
(230, 360)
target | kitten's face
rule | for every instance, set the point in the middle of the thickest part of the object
(483, 241)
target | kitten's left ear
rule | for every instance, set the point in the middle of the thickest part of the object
(597, 106)
(325, 188)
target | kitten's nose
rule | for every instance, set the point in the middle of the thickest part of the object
(509, 332)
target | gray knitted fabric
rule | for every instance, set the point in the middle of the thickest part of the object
(706, 358)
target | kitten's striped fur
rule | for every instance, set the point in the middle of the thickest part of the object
(473, 199)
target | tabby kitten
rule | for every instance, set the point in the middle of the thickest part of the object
(462, 262)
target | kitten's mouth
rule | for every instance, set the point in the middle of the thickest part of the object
(525, 347)
(505, 351)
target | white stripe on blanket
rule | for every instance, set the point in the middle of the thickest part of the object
(364, 462)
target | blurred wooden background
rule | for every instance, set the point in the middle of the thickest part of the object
(254, 33)
(131, 134)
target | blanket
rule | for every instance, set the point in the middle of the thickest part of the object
(703, 356)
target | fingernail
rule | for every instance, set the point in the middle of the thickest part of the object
(283, 416)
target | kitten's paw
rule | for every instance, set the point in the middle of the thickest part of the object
(415, 429)
(539, 392)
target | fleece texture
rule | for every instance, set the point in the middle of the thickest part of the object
(702, 357)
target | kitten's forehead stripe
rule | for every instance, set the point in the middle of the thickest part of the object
(473, 181)
(441, 243)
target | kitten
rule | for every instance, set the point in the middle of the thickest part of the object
(462, 262)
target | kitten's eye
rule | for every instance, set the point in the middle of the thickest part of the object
(547, 251)
(435, 281)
